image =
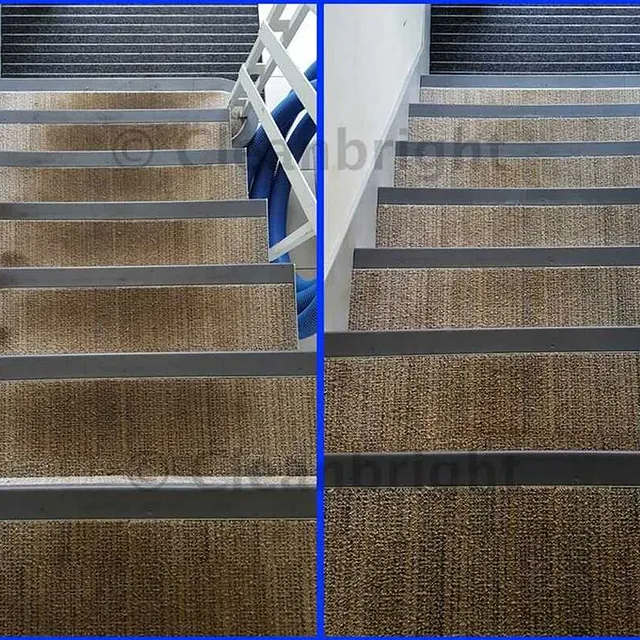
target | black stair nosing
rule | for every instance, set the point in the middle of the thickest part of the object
(158, 210)
(129, 28)
(234, 364)
(154, 276)
(159, 498)
(168, 67)
(500, 257)
(113, 116)
(426, 110)
(508, 197)
(117, 85)
(14, 23)
(539, 68)
(362, 344)
(483, 469)
(146, 75)
(489, 150)
(125, 159)
(515, 39)
(477, 48)
(526, 9)
(560, 81)
(509, 56)
(9, 41)
(51, 10)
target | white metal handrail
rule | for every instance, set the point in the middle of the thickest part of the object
(246, 94)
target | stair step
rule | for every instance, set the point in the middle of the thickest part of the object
(130, 234)
(100, 176)
(396, 289)
(458, 537)
(127, 130)
(537, 389)
(507, 217)
(538, 89)
(524, 123)
(114, 93)
(143, 309)
(137, 10)
(517, 165)
(235, 573)
(158, 415)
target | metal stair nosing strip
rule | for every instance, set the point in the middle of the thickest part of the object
(159, 276)
(472, 257)
(186, 498)
(135, 210)
(425, 110)
(510, 197)
(520, 81)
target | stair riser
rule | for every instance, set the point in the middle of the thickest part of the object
(483, 402)
(234, 573)
(394, 299)
(524, 129)
(101, 137)
(44, 100)
(81, 184)
(145, 319)
(517, 172)
(456, 537)
(507, 226)
(434, 95)
(142, 428)
(78, 243)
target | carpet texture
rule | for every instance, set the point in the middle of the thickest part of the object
(483, 561)
(171, 577)
(82, 184)
(158, 427)
(75, 243)
(47, 100)
(394, 299)
(142, 319)
(451, 95)
(483, 402)
(104, 137)
(506, 226)
(523, 173)
(524, 129)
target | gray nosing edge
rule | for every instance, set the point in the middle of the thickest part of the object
(115, 85)
(133, 210)
(359, 344)
(424, 110)
(542, 81)
(126, 159)
(159, 365)
(180, 501)
(483, 469)
(482, 257)
(508, 197)
(491, 150)
(114, 116)
(61, 277)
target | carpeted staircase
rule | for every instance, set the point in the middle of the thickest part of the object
(157, 441)
(482, 412)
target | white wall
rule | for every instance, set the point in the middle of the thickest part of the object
(370, 54)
